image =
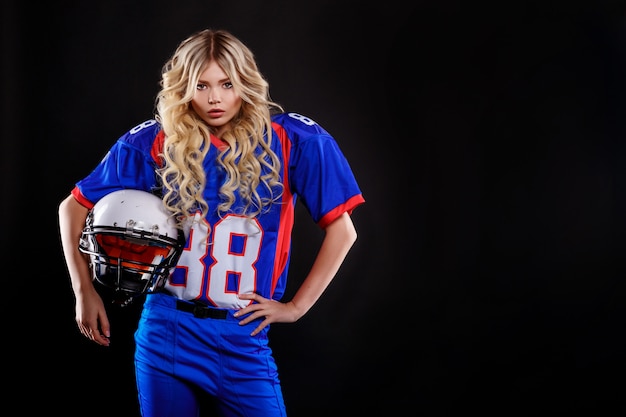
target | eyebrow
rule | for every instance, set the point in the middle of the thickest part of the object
(222, 81)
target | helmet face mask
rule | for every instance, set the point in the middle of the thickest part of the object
(132, 243)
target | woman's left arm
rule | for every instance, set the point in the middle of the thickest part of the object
(339, 237)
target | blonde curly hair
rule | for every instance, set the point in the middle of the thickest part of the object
(187, 136)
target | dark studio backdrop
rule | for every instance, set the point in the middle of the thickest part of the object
(489, 143)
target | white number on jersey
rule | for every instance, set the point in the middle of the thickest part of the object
(143, 125)
(234, 251)
(301, 118)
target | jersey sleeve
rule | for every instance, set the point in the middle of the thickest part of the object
(130, 163)
(318, 172)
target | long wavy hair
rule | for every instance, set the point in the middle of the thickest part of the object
(248, 159)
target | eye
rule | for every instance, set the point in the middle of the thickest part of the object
(227, 85)
(201, 86)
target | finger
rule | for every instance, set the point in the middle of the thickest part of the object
(86, 332)
(95, 335)
(250, 317)
(250, 309)
(105, 329)
(99, 338)
(259, 328)
(247, 296)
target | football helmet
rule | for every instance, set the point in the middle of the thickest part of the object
(132, 242)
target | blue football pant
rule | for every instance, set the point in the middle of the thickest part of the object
(177, 355)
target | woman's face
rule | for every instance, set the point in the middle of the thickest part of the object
(215, 99)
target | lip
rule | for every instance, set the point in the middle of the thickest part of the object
(216, 113)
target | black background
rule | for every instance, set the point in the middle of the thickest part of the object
(489, 143)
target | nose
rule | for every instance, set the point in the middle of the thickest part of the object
(213, 99)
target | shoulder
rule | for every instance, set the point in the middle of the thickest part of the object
(146, 138)
(143, 134)
(297, 126)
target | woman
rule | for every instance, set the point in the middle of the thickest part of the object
(229, 165)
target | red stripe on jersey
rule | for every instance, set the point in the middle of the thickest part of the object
(157, 149)
(348, 207)
(283, 240)
(81, 198)
(158, 145)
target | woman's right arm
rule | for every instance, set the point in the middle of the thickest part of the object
(91, 315)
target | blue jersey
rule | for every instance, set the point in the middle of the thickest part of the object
(229, 254)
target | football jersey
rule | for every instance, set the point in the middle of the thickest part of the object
(227, 253)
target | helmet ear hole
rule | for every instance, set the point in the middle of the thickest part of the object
(132, 242)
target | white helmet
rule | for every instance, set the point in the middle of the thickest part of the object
(132, 241)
